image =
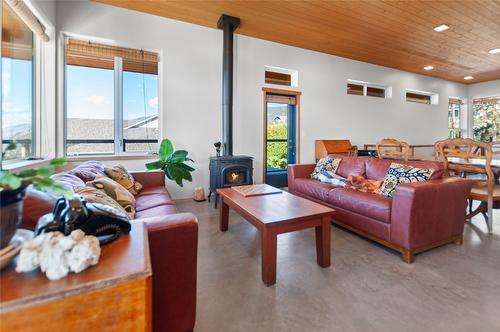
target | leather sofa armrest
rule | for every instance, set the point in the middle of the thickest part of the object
(149, 178)
(298, 171)
(428, 212)
(173, 244)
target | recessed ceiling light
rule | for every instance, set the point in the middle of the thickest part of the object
(441, 27)
(468, 77)
(494, 51)
(428, 68)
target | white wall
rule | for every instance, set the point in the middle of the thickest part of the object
(486, 89)
(191, 72)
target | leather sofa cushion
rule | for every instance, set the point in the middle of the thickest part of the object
(367, 204)
(88, 170)
(157, 211)
(153, 190)
(350, 166)
(377, 168)
(313, 188)
(144, 202)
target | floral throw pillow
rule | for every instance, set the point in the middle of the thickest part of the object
(94, 195)
(398, 174)
(325, 169)
(123, 177)
(115, 190)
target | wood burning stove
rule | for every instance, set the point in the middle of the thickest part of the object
(228, 171)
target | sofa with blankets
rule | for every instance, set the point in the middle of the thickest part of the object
(173, 236)
(415, 217)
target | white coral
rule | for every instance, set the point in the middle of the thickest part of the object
(57, 255)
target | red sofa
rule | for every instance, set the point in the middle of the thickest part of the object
(420, 216)
(173, 242)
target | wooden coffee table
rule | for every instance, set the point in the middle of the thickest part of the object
(276, 214)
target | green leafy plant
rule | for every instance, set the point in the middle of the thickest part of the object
(39, 177)
(172, 163)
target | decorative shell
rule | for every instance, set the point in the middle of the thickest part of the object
(57, 255)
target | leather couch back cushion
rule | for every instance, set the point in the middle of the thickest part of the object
(89, 170)
(377, 168)
(351, 166)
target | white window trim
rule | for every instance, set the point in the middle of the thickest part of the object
(366, 85)
(61, 99)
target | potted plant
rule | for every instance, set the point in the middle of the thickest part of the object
(172, 163)
(13, 188)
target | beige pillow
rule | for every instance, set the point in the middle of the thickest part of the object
(123, 177)
(94, 195)
(113, 189)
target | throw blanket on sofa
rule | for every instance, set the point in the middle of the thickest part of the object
(360, 183)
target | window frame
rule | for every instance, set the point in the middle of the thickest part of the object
(117, 101)
(366, 85)
(36, 65)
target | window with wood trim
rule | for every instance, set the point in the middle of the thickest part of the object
(18, 82)
(278, 78)
(414, 97)
(359, 88)
(111, 99)
(486, 119)
(455, 118)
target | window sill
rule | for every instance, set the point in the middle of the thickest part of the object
(109, 157)
(24, 164)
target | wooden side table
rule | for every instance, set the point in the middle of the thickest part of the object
(114, 295)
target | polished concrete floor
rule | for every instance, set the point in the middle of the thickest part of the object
(367, 288)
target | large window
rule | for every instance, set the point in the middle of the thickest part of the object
(455, 118)
(111, 99)
(486, 119)
(18, 109)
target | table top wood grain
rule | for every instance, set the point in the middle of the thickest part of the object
(125, 259)
(276, 208)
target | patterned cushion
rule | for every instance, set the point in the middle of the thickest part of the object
(116, 192)
(398, 174)
(326, 168)
(123, 177)
(88, 170)
(94, 195)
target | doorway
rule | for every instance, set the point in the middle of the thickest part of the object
(281, 124)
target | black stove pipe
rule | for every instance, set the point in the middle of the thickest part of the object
(228, 24)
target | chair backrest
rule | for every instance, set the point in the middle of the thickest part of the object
(464, 155)
(390, 148)
(336, 146)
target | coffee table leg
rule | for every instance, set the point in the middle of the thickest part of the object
(268, 243)
(224, 215)
(323, 242)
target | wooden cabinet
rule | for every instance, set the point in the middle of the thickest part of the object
(114, 295)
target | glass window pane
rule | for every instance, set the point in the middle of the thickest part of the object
(89, 110)
(354, 89)
(17, 86)
(486, 119)
(375, 92)
(140, 112)
(277, 136)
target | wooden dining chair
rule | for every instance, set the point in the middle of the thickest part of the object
(390, 148)
(465, 156)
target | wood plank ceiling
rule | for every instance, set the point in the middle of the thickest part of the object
(396, 34)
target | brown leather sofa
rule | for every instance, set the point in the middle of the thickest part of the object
(420, 216)
(173, 242)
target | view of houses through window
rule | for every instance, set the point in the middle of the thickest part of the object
(111, 99)
(18, 111)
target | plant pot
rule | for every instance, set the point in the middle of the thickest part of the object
(11, 213)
